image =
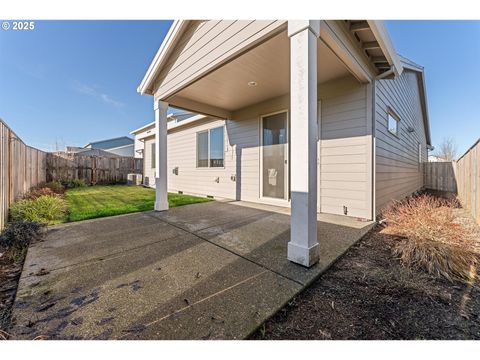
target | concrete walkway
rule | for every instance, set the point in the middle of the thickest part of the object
(205, 271)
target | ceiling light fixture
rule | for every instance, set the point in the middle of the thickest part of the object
(252, 83)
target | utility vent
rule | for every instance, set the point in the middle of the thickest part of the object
(175, 170)
(345, 210)
(233, 177)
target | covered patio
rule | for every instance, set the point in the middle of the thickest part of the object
(281, 66)
(205, 271)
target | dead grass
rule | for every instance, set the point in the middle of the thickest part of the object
(430, 238)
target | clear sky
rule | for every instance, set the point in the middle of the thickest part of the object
(73, 82)
(76, 81)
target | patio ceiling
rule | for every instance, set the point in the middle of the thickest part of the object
(268, 65)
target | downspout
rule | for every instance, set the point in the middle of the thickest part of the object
(374, 154)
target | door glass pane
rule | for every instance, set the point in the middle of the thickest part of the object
(274, 155)
(202, 149)
(216, 147)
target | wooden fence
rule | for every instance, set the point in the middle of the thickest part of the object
(468, 180)
(440, 176)
(21, 167)
(461, 176)
(94, 170)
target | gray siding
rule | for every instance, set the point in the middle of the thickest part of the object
(398, 172)
(345, 172)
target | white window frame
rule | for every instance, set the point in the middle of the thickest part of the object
(208, 146)
(392, 115)
(266, 199)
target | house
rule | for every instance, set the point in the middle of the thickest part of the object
(316, 115)
(123, 146)
(147, 130)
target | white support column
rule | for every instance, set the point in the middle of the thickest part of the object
(161, 194)
(303, 247)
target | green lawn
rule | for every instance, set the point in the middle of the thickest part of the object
(99, 201)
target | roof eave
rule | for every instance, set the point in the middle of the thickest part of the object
(381, 34)
(145, 87)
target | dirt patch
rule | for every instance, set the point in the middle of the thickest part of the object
(9, 275)
(367, 294)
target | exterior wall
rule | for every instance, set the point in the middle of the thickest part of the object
(206, 44)
(148, 169)
(138, 147)
(398, 173)
(345, 174)
(345, 152)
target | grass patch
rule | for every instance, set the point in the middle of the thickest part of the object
(100, 201)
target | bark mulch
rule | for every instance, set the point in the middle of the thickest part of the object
(368, 294)
(9, 275)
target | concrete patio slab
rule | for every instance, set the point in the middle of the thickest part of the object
(204, 271)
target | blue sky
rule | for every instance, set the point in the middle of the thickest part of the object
(450, 53)
(73, 82)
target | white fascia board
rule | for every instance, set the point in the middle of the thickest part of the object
(173, 34)
(143, 128)
(381, 34)
(173, 125)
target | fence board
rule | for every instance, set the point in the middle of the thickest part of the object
(461, 176)
(21, 167)
(93, 169)
(440, 176)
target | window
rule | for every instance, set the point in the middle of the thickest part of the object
(393, 121)
(153, 158)
(210, 146)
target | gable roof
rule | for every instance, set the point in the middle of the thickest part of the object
(146, 87)
(173, 35)
(412, 66)
(110, 143)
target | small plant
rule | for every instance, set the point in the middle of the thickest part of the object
(430, 238)
(55, 186)
(76, 183)
(44, 210)
(16, 237)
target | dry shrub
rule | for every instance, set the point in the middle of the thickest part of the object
(37, 192)
(430, 238)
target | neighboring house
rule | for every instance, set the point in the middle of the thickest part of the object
(316, 115)
(123, 146)
(433, 158)
(141, 133)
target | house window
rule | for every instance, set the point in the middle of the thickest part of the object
(210, 148)
(153, 156)
(393, 121)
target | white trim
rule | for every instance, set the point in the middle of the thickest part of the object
(319, 158)
(266, 199)
(173, 34)
(208, 167)
(381, 35)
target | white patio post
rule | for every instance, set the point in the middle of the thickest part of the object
(303, 247)
(161, 194)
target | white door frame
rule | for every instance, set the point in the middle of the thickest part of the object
(265, 199)
(319, 145)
